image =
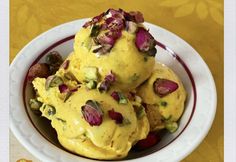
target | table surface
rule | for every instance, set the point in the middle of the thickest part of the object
(199, 22)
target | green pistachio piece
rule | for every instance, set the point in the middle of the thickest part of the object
(125, 122)
(35, 104)
(171, 127)
(53, 81)
(61, 120)
(70, 76)
(90, 73)
(67, 96)
(163, 103)
(140, 111)
(95, 30)
(134, 77)
(91, 84)
(122, 98)
(50, 110)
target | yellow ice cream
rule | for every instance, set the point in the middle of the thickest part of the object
(130, 66)
(107, 141)
(168, 108)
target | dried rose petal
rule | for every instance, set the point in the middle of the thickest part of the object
(114, 34)
(75, 89)
(144, 40)
(115, 96)
(137, 16)
(104, 39)
(118, 96)
(110, 77)
(63, 88)
(115, 116)
(92, 113)
(65, 64)
(149, 141)
(131, 96)
(104, 86)
(108, 81)
(114, 24)
(163, 87)
(94, 20)
(115, 13)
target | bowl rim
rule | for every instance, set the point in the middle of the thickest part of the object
(166, 47)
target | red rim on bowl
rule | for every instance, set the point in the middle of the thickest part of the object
(175, 55)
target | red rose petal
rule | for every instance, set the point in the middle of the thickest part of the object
(115, 116)
(149, 141)
(110, 77)
(115, 96)
(163, 87)
(144, 40)
(137, 16)
(92, 113)
(63, 88)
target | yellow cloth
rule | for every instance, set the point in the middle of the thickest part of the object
(199, 22)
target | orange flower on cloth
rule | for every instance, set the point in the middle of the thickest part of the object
(203, 8)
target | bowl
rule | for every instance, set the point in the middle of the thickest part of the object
(39, 138)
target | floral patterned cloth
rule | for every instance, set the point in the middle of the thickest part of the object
(199, 22)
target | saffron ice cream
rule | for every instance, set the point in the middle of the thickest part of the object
(107, 95)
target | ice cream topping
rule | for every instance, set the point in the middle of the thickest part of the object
(112, 23)
(92, 113)
(163, 87)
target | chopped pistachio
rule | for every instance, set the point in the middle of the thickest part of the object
(134, 77)
(122, 99)
(90, 73)
(59, 119)
(70, 76)
(125, 122)
(163, 103)
(95, 30)
(91, 84)
(53, 81)
(35, 104)
(67, 96)
(140, 111)
(50, 110)
(171, 127)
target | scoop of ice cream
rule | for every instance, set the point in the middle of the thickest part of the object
(111, 45)
(88, 122)
(162, 109)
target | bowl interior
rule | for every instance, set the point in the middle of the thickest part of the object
(164, 56)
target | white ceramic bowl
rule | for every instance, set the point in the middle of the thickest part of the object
(40, 139)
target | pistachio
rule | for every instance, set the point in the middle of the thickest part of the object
(140, 111)
(35, 104)
(53, 81)
(70, 76)
(92, 113)
(50, 110)
(90, 73)
(95, 30)
(171, 127)
(91, 84)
